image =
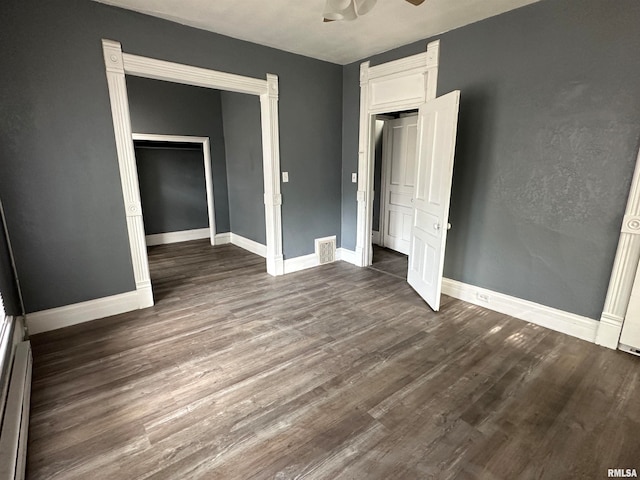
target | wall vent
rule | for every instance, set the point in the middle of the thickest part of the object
(326, 249)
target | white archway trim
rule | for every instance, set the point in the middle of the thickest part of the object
(625, 267)
(119, 64)
(394, 86)
(208, 176)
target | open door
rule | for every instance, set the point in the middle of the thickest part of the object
(437, 125)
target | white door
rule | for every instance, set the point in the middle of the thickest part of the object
(399, 159)
(437, 124)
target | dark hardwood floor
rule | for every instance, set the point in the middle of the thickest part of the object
(331, 373)
(389, 261)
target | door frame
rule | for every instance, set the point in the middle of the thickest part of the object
(208, 175)
(402, 84)
(119, 64)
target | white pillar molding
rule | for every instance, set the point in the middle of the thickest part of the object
(625, 267)
(271, 166)
(402, 84)
(119, 64)
(114, 65)
(364, 172)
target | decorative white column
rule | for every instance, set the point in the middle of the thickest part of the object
(271, 165)
(127, 164)
(363, 245)
(625, 267)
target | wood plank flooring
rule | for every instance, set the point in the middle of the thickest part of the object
(331, 373)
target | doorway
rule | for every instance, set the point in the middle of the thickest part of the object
(165, 230)
(117, 64)
(395, 159)
(405, 84)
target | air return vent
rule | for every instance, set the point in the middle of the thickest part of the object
(326, 249)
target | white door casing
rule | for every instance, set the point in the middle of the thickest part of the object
(402, 84)
(398, 166)
(208, 178)
(119, 64)
(437, 126)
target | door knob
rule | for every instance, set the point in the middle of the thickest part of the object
(448, 226)
(436, 226)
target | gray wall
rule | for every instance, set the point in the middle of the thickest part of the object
(245, 178)
(59, 176)
(173, 109)
(548, 133)
(7, 281)
(172, 188)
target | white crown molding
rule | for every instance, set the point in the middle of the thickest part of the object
(179, 236)
(552, 318)
(189, 75)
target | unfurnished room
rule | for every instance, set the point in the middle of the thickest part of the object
(320, 239)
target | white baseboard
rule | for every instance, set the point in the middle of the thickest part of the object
(609, 330)
(300, 263)
(175, 237)
(375, 237)
(223, 238)
(249, 245)
(73, 314)
(348, 256)
(558, 320)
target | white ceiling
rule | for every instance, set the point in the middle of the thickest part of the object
(296, 25)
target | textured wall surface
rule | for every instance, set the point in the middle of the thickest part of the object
(548, 133)
(243, 144)
(59, 176)
(173, 109)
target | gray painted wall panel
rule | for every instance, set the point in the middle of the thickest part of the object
(60, 181)
(548, 133)
(172, 189)
(243, 144)
(173, 109)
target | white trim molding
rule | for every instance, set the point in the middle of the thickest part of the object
(303, 262)
(348, 256)
(248, 245)
(60, 317)
(223, 238)
(551, 318)
(119, 64)
(208, 176)
(180, 236)
(391, 87)
(625, 267)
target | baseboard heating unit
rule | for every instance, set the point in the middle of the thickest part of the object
(16, 394)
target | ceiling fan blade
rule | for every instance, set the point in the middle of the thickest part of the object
(326, 20)
(415, 2)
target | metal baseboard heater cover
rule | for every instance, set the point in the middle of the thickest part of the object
(15, 422)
